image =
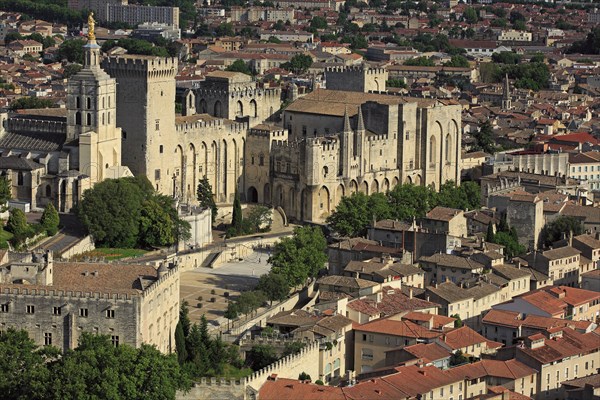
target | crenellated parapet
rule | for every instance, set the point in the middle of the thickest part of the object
(30, 125)
(199, 126)
(141, 66)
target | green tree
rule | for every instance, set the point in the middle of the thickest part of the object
(489, 236)
(563, 225)
(484, 139)
(538, 58)
(24, 366)
(197, 363)
(205, 196)
(273, 39)
(237, 218)
(18, 226)
(127, 212)
(50, 220)
(184, 318)
(72, 51)
(318, 22)
(239, 66)
(409, 201)
(420, 62)
(304, 377)
(458, 61)
(470, 15)
(260, 356)
(292, 348)
(258, 219)
(232, 311)
(156, 225)
(458, 321)
(353, 214)
(97, 369)
(11, 37)
(274, 286)
(506, 57)
(458, 358)
(31, 102)
(299, 63)
(591, 44)
(224, 29)
(182, 354)
(71, 70)
(399, 83)
(511, 245)
(300, 256)
(5, 193)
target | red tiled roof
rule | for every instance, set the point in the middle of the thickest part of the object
(462, 337)
(397, 328)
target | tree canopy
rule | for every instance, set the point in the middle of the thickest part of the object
(50, 220)
(354, 213)
(205, 196)
(96, 369)
(300, 256)
(420, 62)
(239, 66)
(72, 51)
(127, 212)
(31, 102)
(299, 63)
(591, 44)
(563, 225)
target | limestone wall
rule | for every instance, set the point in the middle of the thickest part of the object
(85, 244)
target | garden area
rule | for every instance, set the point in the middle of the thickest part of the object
(110, 254)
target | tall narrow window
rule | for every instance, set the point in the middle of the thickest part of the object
(432, 150)
(77, 118)
(89, 119)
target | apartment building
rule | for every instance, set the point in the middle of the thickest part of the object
(558, 354)
(557, 302)
(373, 339)
(441, 267)
(586, 167)
(386, 270)
(560, 264)
(509, 327)
(446, 220)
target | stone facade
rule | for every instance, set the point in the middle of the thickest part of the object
(55, 302)
(57, 153)
(357, 79)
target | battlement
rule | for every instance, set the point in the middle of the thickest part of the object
(504, 185)
(153, 67)
(284, 144)
(356, 70)
(238, 93)
(161, 279)
(64, 295)
(283, 364)
(29, 125)
(377, 138)
(233, 127)
(267, 133)
(220, 382)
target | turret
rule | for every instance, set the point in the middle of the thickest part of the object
(360, 138)
(347, 145)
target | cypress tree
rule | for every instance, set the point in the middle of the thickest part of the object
(489, 237)
(237, 218)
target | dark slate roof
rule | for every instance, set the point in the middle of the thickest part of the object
(18, 163)
(32, 141)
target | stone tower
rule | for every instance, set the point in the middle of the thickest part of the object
(91, 118)
(146, 113)
(506, 97)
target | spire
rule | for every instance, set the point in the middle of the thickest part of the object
(361, 124)
(506, 91)
(347, 121)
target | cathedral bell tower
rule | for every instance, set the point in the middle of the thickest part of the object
(91, 116)
(506, 97)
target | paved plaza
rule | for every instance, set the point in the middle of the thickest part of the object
(231, 277)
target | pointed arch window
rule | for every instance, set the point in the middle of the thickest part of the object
(77, 118)
(89, 119)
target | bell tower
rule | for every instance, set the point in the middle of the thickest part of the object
(91, 115)
(506, 97)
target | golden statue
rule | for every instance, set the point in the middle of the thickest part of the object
(91, 25)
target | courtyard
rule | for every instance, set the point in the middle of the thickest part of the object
(201, 285)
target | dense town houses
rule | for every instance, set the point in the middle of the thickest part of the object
(448, 153)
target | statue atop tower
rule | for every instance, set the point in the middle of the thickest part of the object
(91, 27)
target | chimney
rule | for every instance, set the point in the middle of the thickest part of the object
(410, 293)
(570, 238)
(423, 372)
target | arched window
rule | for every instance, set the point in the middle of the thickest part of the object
(89, 119)
(160, 148)
(102, 118)
(432, 150)
(48, 191)
(448, 146)
(103, 102)
(77, 118)
(20, 179)
(108, 117)
(109, 101)
(78, 102)
(89, 103)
